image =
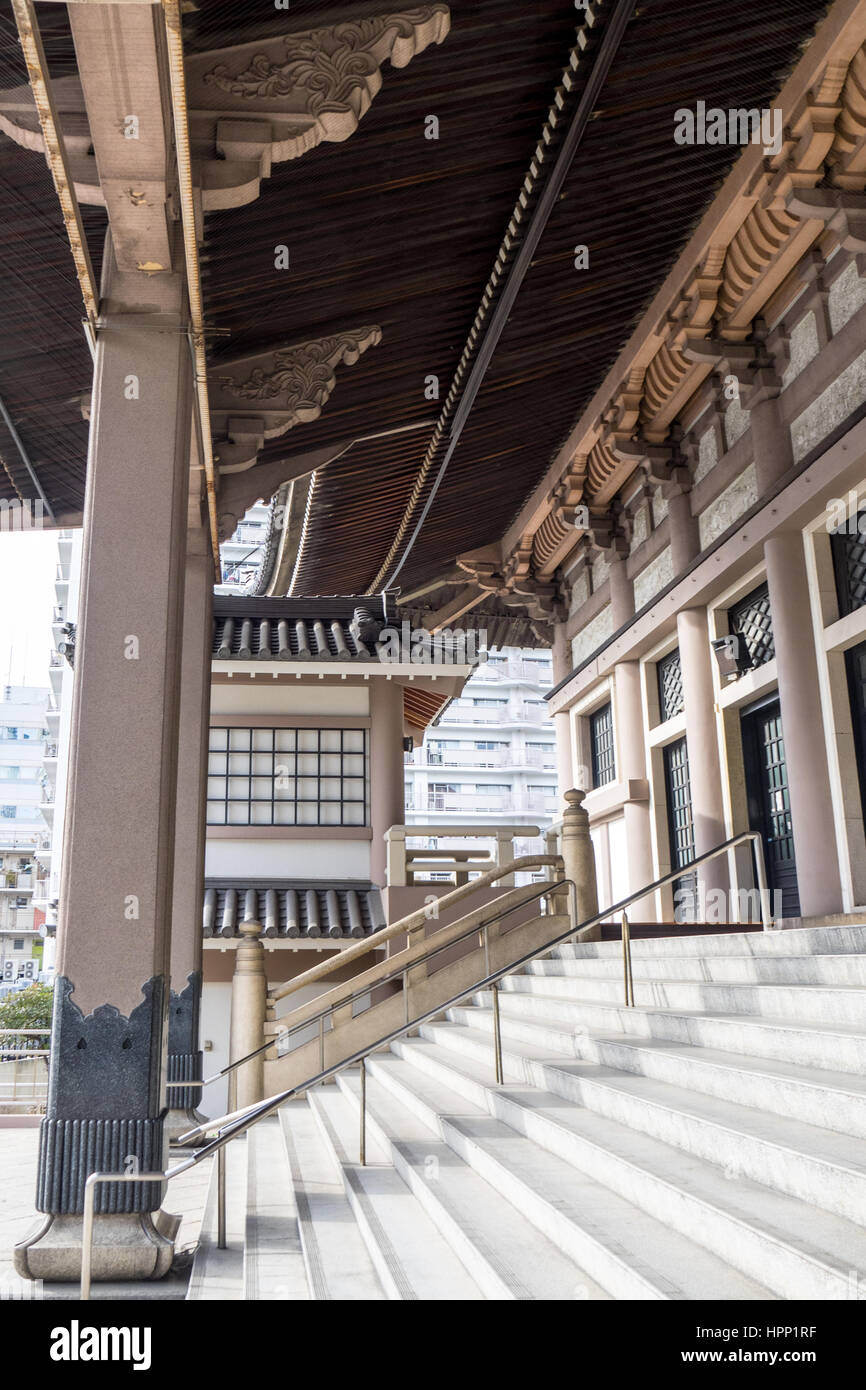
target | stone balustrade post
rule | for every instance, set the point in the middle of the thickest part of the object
(579, 860)
(505, 853)
(395, 856)
(248, 1014)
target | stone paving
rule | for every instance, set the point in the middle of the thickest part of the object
(19, 1142)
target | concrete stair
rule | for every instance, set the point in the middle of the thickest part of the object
(706, 1144)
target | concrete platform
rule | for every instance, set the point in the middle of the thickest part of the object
(19, 1143)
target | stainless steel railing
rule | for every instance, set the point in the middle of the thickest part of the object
(231, 1126)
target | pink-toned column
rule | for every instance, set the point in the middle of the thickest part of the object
(184, 1054)
(705, 772)
(106, 1084)
(812, 822)
(631, 752)
(387, 779)
(621, 592)
(562, 722)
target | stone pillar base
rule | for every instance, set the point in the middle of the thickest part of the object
(177, 1122)
(137, 1245)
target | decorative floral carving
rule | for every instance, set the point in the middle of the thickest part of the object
(302, 377)
(332, 66)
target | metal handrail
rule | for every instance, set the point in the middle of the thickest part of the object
(415, 919)
(544, 890)
(231, 1126)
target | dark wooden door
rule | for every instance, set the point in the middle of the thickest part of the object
(681, 829)
(769, 799)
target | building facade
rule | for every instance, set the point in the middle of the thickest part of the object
(717, 635)
(646, 452)
(242, 554)
(58, 719)
(490, 757)
(308, 725)
(25, 794)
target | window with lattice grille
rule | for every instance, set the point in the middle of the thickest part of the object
(849, 564)
(287, 777)
(670, 678)
(681, 830)
(752, 621)
(601, 746)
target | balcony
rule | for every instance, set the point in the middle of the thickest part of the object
(459, 757)
(475, 803)
(474, 715)
(539, 757)
(532, 714)
(404, 861)
(11, 882)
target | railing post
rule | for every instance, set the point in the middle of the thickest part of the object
(626, 963)
(551, 846)
(497, 1033)
(249, 1009)
(221, 1198)
(761, 880)
(579, 860)
(362, 1145)
(505, 853)
(395, 856)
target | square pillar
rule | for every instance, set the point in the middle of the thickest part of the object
(184, 1053)
(631, 750)
(106, 1083)
(562, 666)
(812, 820)
(702, 742)
(387, 776)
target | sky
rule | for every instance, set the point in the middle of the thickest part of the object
(28, 560)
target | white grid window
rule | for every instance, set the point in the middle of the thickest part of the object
(287, 777)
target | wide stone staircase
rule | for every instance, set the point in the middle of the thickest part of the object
(706, 1143)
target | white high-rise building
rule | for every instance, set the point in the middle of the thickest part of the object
(491, 757)
(23, 794)
(241, 556)
(58, 720)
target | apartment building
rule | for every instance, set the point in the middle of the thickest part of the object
(242, 554)
(24, 794)
(490, 759)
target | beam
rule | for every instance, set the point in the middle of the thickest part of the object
(55, 154)
(611, 40)
(462, 602)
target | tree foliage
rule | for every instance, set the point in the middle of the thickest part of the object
(28, 1008)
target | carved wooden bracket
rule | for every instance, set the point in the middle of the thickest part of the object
(841, 211)
(661, 464)
(515, 584)
(256, 104)
(263, 396)
(605, 535)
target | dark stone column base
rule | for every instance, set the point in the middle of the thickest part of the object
(184, 1066)
(182, 1100)
(69, 1150)
(184, 1062)
(128, 1246)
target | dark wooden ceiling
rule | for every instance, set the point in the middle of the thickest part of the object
(45, 363)
(633, 196)
(392, 229)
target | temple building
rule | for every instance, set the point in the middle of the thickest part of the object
(530, 329)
